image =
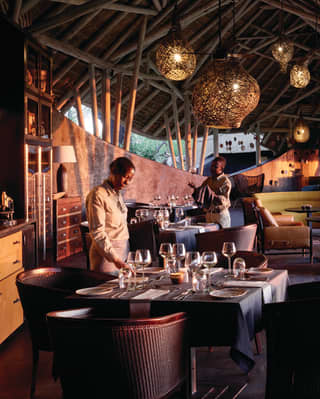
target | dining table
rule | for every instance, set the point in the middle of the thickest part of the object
(230, 314)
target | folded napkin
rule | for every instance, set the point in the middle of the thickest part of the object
(192, 226)
(151, 294)
(266, 287)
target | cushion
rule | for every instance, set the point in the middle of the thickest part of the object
(268, 219)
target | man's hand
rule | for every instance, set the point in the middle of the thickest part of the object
(120, 264)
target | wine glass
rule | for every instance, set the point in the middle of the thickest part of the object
(144, 214)
(192, 263)
(166, 217)
(239, 268)
(179, 252)
(165, 252)
(179, 214)
(138, 214)
(228, 250)
(209, 260)
(131, 261)
(143, 258)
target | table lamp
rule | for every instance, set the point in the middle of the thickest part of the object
(63, 154)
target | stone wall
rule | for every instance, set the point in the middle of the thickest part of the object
(94, 156)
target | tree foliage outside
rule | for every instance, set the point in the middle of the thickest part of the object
(156, 150)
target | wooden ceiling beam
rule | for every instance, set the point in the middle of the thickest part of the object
(284, 107)
(306, 15)
(68, 16)
(157, 5)
(72, 51)
(16, 11)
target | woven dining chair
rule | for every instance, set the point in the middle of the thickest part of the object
(99, 357)
(43, 290)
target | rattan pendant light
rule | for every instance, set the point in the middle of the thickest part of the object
(301, 131)
(175, 58)
(300, 75)
(282, 49)
(225, 93)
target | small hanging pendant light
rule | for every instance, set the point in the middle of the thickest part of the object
(300, 75)
(301, 131)
(282, 51)
(175, 57)
(225, 94)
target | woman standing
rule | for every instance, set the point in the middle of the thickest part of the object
(107, 218)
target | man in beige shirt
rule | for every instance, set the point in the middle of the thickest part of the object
(214, 194)
(107, 218)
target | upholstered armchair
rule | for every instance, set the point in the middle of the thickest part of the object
(277, 233)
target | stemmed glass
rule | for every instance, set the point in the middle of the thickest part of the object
(131, 261)
(143, 258)
(179, 252)
(166, 251)
(209, 260)
(228, 250)
(179, 214)
(166, 218)
(192, 263)
(144, 214)
(138, 214)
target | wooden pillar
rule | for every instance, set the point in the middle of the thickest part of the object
(94, 100)
(178, 132)
(106, 106)
(187, 132)
(194, 148)
(130, 112)
(215, 143)
(117, 111)
(203, 150)
(169, 137)
(79, 108)
(258, 147)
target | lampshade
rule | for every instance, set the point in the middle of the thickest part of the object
(225, 94)
(300, 75)
(301, 131)
(282, 51)
(175, 58)
(64, 154)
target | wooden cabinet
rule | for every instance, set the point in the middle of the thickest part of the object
(67, 219)
(11, 313)
(26, 130)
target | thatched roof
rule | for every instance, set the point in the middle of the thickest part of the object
(105, 34)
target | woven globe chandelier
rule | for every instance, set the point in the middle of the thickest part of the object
(301, 131)
(175, 58)
(300, 75)
(225, 94)
(282, 51)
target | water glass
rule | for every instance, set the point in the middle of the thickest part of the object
(228, 250)
(131, 262)
(138, 214)
(239, 268)
(192, 263)
(179, 252)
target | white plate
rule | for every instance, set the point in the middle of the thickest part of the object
(94, 291)
(262, 270)
(225, 293)
(151, 270)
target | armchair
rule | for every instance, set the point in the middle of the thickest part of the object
(274, 236)
(101, 357)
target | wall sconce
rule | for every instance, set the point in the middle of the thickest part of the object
(63, 154)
